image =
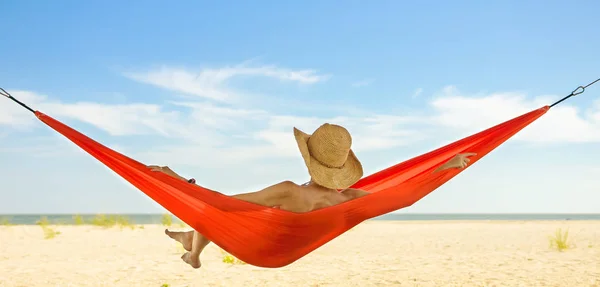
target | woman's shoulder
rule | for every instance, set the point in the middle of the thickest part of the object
(354, 193)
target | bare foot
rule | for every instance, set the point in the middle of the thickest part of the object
(189, 259)
(185, 238)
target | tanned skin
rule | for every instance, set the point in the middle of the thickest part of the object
(285, 195)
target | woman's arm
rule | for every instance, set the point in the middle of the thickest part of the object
(166, 170)
(460, 161)
(273, 195)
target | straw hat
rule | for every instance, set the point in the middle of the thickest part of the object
(327, 154)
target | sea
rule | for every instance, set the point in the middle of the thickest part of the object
(32, 219)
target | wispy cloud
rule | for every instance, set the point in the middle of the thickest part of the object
(363, 83)
(117, 120)
(211, 83)
(202, 132)
(417, 93)
(16, 116)
(468, 114)
(216, 134)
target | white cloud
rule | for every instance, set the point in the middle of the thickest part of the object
(16, 116)
(208, 133)
(469, 114)
(219, 117)
(124, 119)
(363, 83)
(210, 83)
(117, 120)
(270, 136)
(417, 93)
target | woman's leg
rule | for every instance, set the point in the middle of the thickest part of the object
(194, 242)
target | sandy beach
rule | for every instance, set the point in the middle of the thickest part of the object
(375, 253)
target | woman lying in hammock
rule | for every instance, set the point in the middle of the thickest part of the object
(332, 166)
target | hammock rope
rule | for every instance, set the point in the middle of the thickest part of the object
(269, 237)
(577, 91)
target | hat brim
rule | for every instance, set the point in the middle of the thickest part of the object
(335, 178)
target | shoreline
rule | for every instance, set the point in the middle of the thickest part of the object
(371, 221)
(165, 219)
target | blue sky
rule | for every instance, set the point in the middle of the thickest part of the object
(214, 89)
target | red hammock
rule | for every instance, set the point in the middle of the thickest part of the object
(269, 237)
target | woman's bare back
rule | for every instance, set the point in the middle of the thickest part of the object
(305, 198)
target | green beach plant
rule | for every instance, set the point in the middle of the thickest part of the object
(560, 240)
(78, 219)
(109, 221)
(230, 259)
(167, 219)
(5, 221)
(124, 221)
(44, 223)
(101, 220)
(49, 233)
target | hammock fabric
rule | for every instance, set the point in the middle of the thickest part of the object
(270, 237)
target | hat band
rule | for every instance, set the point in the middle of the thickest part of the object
(327, 165)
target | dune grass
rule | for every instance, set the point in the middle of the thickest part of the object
(559, 240)
(230, 259)
(102, 220)
(167, 220)
(49, 233)
(108, 221)
(44, 222)
(5, 221)
(78, 219)
(98, 220)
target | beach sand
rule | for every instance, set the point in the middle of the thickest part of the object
(375, 253)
